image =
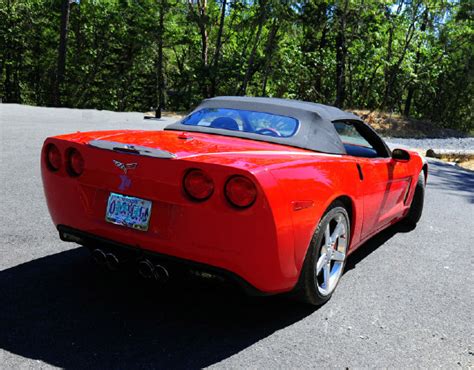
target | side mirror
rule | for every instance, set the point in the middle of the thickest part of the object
(400, 155)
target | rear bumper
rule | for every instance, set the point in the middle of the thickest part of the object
(69, 234)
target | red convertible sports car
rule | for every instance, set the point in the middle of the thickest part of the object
(272, 193)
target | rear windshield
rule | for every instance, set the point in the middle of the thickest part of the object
(244, 120)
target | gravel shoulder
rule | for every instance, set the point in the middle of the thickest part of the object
(466, 143)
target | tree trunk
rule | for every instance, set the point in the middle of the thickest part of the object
(341, 51)
(320, 66)
(204, 52)
(392, 71)
(387, 71)
(350, 95)
(217, 52)
(9, 98)
(251, 61)
(409, 99)
(61, 68)
(412, 86)
(161, 83)
(201, 16)
(267, 67)
(243, 54)
(9, 87)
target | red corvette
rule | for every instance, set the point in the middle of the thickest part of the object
(272, 193)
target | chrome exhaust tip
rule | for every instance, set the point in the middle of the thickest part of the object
(112, 262)
(161, 274)
(146, 269)
(99, 257)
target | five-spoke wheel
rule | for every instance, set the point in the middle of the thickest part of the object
(332, 254)
(324, 263)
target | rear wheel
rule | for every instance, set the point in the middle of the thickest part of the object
(326, 257)
(416, 207)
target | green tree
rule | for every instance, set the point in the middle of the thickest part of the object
(414, 57)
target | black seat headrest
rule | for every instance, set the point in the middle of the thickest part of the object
(225, 123)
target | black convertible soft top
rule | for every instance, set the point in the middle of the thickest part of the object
(316, 131)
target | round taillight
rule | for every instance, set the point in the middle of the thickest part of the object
(75, 162)
(198, 185)
(240, 191)
(53, 157)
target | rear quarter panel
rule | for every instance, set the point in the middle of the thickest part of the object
(314, 184)
(292, 178)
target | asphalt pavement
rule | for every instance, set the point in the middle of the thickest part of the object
(404, 301)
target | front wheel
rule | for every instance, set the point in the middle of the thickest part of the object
(326, 257)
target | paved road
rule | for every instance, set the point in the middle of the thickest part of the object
(405, 300)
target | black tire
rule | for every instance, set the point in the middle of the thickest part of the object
(307, 290)
(416, 207)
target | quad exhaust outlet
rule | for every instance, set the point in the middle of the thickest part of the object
(148, 270)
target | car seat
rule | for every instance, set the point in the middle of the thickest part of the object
(226, 123)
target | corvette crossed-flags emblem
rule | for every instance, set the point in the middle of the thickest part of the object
(126, 182)
(125, 166)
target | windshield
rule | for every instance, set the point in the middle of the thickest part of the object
(244, 120)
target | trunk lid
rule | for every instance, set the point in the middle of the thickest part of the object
(177, 144)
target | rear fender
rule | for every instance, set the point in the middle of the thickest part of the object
(315, 187)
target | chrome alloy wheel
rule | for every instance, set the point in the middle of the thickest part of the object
(333, 251)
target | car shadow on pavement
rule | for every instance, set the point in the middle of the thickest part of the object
(452, 179)
(65, 311)
(374, 243)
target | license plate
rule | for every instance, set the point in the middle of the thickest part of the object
(128, 211)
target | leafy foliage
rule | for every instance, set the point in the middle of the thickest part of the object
(414, 57)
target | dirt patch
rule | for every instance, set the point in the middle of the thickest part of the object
(394, 125)
(167, 114)
(468, 165)
(462, 158)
